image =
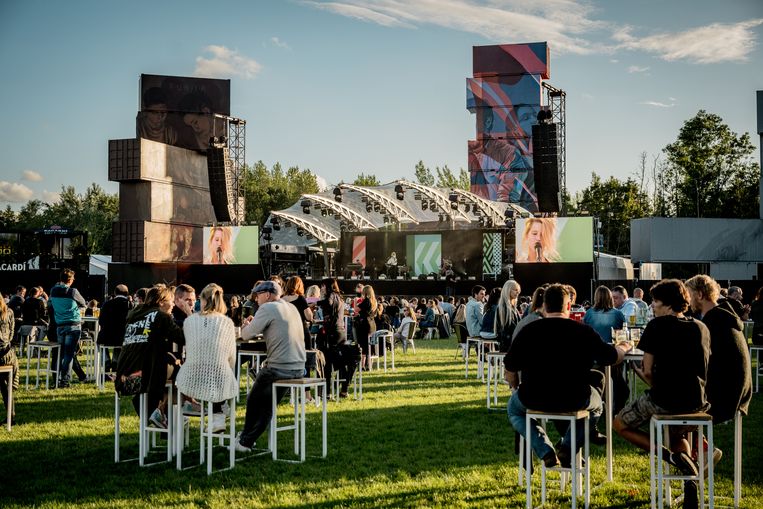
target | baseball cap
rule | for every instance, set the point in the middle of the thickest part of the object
(268, 286)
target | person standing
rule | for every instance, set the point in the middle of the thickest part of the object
(332, 338)
(112, 322)
(676, 356)
(364, 324)
(66, 302)
(281, 325)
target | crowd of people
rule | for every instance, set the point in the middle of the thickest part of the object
(695, 356)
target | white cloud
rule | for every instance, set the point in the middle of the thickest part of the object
(279, 43)
(31, 176)
(718, 42)
(225, 63)
(557, 21)
(50, 196)
(634, 69)
(614, 61)
(658, 104)
(14, 193)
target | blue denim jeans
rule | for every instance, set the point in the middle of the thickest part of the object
(538, 439)
(68, 338)
(259, 403)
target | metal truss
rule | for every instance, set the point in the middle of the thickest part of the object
(442, 201)
(319, 232)
(348, 214)
(391, 207)
(486, 207)
(556, 99)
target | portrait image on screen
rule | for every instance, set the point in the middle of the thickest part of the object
(231, 245)
(554, 239)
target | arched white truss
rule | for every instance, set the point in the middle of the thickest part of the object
(319, 232)
(344, 211)
(391, 207)
(442, 201)
(486, 207)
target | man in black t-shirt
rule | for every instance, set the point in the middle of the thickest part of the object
(555, 356)
(676, 353)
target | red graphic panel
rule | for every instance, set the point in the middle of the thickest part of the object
(359, 250)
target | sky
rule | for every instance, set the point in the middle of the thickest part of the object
(364, 86)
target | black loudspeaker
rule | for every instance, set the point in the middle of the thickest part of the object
(546, 167)
(220, 168)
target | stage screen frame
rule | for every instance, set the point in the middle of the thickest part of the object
(562, 239)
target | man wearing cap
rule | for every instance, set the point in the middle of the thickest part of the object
(281, 326)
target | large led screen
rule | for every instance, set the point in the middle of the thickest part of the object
(425, 251)
(180, 111)
(554, 239)
(231, 245)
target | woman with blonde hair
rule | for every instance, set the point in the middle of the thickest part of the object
(220, 246)
(208, 373)
(365, 323)
(539, 241)
(8, 356)
(508, 315)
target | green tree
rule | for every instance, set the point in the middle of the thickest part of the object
(94, 212)
(446, 178)
(274, 189)
(615, 203)
(711, 171)
(8, 220)
(423, 174)
(366, 180)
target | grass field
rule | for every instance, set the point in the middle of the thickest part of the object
(421, 437)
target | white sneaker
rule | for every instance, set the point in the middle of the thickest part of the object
(241, 448)
(218, 423)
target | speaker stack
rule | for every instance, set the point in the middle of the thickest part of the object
(546, 165)
(220, 168)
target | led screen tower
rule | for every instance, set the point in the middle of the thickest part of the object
(505, 95)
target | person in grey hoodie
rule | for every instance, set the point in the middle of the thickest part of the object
(281, 326)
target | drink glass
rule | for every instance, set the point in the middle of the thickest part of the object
(82, 312)
(632, 320)
(635, 337)
(96, 312)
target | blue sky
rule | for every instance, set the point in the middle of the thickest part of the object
(367, 86)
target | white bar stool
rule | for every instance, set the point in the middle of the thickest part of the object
(657, 437)
(758, 371)
(8, 370)
(100, 364)
(88, 349)
(357, 384)
(206, 434)
(298, 389)
(575, 470)
(50, 348)
(471, 339)
(145, 429)
(489, 343)
(494, 372)
(256, 360)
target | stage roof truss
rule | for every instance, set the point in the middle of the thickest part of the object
(319, 232)
(486, 207)
(442, 201)
(344, 211)
(391, 207)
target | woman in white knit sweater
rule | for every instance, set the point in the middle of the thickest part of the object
(208, 373)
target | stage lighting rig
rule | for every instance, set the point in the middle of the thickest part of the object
(424, 205)
(467, 208)
(417, 196)
(399, 192)
(324, 212)
(338, 194)
(305, 206)
(369, 207)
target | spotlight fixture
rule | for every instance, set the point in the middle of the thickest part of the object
(305, 206)
(440, 218)
(453, 205)
(386, 219)
(267, 229)
(508, 213)
(300, 232)
(338, 194)
(369, 207)
(377, 207)
(424, 205)
(466, 208)
(324, 212)
(399, 192)
(417, 196)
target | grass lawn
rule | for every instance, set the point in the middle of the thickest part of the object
(421, 437)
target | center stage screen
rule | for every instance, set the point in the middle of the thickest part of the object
(425, 252)
(231, 245)
(554, 239)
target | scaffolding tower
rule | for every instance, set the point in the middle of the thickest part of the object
(556, 100)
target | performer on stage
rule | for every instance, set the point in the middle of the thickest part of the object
(391, 265)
